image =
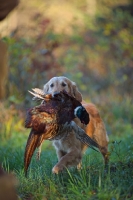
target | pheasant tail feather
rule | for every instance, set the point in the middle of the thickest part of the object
(31, 145)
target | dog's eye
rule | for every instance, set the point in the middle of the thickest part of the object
(63, 84)
(52, 85)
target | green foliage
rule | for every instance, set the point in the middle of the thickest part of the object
(96, 55)
(11, 120)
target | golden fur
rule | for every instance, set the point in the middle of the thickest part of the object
(69, 149)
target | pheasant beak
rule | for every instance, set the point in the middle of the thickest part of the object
(83, 122)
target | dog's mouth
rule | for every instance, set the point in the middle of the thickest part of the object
(57, 96)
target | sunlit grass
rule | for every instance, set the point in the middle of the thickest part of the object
(92, 182)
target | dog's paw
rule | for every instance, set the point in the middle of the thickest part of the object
(56, 169)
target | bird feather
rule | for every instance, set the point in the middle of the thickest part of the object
(52, 120)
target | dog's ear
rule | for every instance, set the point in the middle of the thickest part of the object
(75, 92)
(46, 88)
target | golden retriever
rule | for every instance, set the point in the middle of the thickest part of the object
(69, 149)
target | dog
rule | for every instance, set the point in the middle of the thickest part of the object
(69, 149)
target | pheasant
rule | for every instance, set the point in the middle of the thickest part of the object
(53, 117)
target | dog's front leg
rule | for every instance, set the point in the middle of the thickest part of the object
(71, 158)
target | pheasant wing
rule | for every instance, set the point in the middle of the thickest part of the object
(83, 137)
(38, 117)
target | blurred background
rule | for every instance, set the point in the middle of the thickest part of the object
(90, 42)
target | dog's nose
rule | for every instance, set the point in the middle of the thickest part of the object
(55, 94)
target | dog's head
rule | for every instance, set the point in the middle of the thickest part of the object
(61, 83)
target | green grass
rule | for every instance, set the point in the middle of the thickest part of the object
(92, 182)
